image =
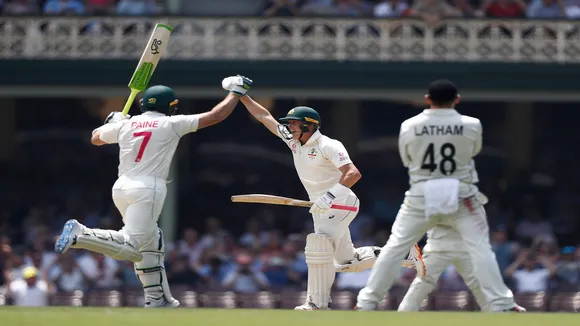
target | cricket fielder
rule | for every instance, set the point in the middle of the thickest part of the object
(444, 247)
(437, 146)
(147, 143)
(327, 173)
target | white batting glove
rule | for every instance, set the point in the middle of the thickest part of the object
(322, 204)
(238, 85)
(116, 117)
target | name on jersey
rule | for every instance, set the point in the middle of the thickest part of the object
(444, 130)
(145, 124)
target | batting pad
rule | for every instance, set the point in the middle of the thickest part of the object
(108, 242)
(151, 270)
(319, 254)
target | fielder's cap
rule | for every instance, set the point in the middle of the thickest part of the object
(568, 250)
(29, 272)
(442, 91)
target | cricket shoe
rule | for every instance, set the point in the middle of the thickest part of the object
(72, 228)
(417, 259)
(517, 308)
(366, 308)
(162, 303)
(309, 306)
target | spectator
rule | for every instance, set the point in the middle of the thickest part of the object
(244, 278)
(502, 248)
(21, 7)
(66, 275)
(547, 9)
(451, 280)
(29, 291)
(391, 8)
(180, 273)
(504, 8)
(213, 269)
(100, 7)
(433, 11)
(352, 281)
(282, 8)
(138, 7)
(530, 278)
(319, 7)
(254, 236)
(103, 272)
(568, 270)
(190, 247)
(64, 7)
(354, 8)
(277, 272)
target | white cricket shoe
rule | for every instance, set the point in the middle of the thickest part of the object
(162, 303)
(309, 306)
(72, 228)
(417, 259)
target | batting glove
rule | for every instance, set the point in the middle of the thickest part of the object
(116, 117)
(238, 85)
(322, 204)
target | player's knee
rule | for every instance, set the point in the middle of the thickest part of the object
(319, 249)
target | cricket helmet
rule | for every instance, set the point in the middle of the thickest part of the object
(159, 98)
(305, 114)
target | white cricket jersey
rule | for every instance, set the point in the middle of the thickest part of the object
(317, 162)
(444, 238)
(147, 142)
(441, 143)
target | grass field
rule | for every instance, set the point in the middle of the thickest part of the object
(13, 316)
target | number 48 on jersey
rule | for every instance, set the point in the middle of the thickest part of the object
(447, 163)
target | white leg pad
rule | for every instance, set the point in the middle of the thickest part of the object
(320, 260)
(110, 243)
(151, 272)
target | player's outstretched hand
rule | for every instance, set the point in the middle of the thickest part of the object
(238, 85)
(115, 117)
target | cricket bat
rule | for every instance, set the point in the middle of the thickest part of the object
(149, 59)
(279, 200)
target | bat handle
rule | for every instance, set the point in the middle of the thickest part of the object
(132, 96)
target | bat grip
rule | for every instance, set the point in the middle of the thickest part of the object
(130, 100)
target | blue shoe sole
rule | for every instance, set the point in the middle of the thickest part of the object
(65, 237)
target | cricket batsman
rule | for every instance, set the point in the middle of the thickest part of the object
(147, 143)
(437, 146)
(327, 173)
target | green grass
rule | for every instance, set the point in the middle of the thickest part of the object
(14, 316)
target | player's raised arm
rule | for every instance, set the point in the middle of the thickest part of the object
(255, 109)
(237, 86)
(261, 114)
(219, 112)
(109, 132)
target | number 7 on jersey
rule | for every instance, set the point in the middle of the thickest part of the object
(146, 136)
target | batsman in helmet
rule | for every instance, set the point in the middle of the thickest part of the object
(147, 143)
(327, 173)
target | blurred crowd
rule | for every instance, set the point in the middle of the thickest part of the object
(430, 10)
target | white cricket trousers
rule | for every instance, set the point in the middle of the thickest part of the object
(140, 201)
(436, 262)
(335, 224)
(410, 226)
